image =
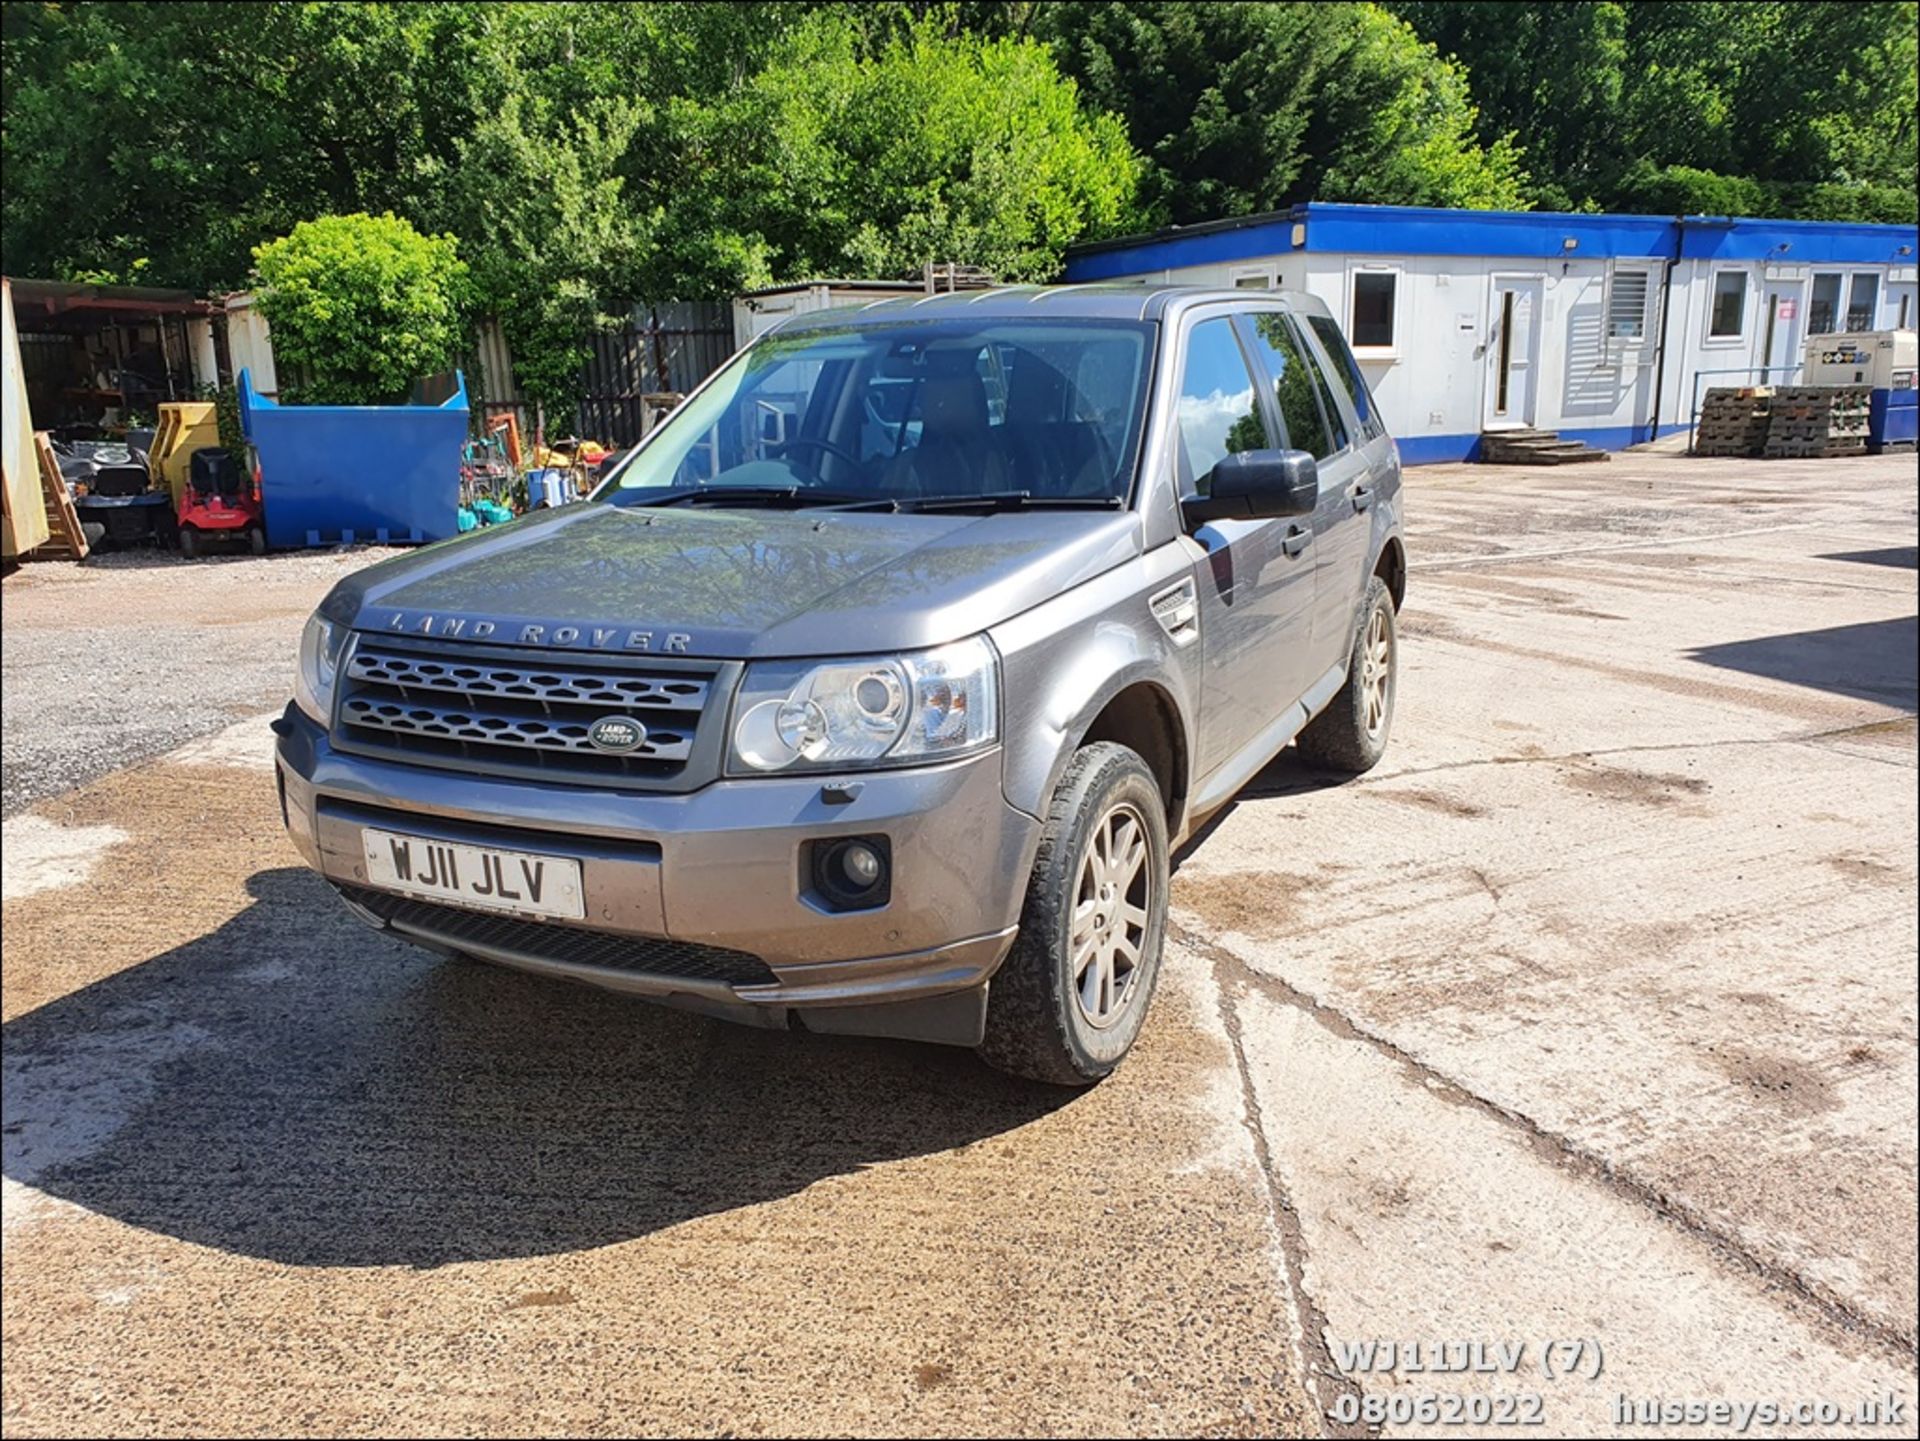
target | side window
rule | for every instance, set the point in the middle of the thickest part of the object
(1727, 318)
(1823, 315)
(1346, 370)
(1374, 295)
(1296, 386)
(1219, 414)
(1864, 301)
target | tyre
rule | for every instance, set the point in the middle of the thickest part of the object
(257, 541)
(189, 541)
(1350, 735)
(1068, 1001)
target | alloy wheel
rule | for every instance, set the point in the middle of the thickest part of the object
(1111, 905)
(1376, 672)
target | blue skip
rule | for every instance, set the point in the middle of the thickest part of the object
(336, 474)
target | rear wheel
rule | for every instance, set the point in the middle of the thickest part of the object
(1351, 733)
(1070, 998)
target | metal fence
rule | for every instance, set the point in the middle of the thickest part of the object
(632, 377)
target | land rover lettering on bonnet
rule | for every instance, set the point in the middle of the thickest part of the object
(870, 694)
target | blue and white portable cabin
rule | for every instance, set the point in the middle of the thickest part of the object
(1603, 328)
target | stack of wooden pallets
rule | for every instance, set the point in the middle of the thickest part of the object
(1734, 420)
(1817, 421)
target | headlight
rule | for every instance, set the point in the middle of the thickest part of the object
(320, 646)
(890, 710)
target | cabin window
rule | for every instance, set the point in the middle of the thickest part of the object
(1376, 295)
(1727, 320)
(1823, 311)
(1864, 301)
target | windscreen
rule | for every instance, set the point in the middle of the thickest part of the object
(912, 411)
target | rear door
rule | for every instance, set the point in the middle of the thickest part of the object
(1256, 584)
(1314, 422)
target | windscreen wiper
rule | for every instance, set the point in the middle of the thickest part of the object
(1012, 500)
(795, 495)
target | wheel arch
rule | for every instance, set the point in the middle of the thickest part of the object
(1391, 567)
(1143, 717)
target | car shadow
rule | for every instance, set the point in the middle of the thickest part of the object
(1901, 557)
(1285, 775)
(295, 1087)
(1875, 660)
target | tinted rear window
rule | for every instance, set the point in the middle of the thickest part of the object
(1347, 373)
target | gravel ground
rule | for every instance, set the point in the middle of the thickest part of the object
(127, 655)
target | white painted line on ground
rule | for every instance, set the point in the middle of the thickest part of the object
(247, 745)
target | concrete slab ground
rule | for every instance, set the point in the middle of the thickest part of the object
(1586, 1022)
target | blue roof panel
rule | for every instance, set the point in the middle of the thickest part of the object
(1413, 230)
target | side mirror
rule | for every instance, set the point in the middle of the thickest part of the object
(1257, 485)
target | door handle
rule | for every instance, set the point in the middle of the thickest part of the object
(1362, 496)
(1296, 540)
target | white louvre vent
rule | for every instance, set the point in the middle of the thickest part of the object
(1632, 310)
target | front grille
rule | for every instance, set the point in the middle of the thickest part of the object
(524, 713)
(572, 945)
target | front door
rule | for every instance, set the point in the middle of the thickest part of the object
(1513, 343)
(1783, 322)
(1256, 583)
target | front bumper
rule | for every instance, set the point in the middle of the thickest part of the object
(721, 866)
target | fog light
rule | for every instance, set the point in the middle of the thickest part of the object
(862, 865)
(852, 873)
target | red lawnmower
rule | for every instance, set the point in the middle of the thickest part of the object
(220, 502)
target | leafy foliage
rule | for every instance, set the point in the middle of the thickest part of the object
(361, 306)
(1697, 106)
(1407, 127)
(587, 156)
(927, 149)
(166, 141)
(1243, 108)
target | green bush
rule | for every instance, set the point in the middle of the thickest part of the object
(1887, 204)
(360, 307)
(1682, 190)
(1650, 189)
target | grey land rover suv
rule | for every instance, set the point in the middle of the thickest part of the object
(871, 693)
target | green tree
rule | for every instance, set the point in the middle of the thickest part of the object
(1553, 73)
(1399, 128)
(361, 306)
(1721, 106)
(182, 135)
(1243, 108)
(834, 161)
(539, 198)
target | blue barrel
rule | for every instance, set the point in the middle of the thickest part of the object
(553, 487)
(342, 473)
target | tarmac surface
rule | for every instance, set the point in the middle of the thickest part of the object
(1586, 1022)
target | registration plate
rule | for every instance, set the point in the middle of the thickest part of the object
(485, 877)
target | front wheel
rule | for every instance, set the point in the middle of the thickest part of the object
(1350, 735)
(189, 542)
(1070, 998)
